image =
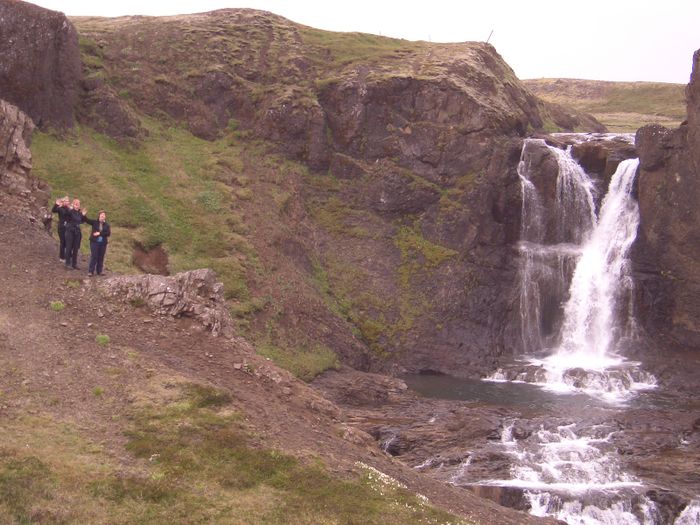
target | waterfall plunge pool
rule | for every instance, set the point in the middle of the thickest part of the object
(520, 394)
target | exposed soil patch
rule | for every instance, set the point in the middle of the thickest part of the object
(153, 260)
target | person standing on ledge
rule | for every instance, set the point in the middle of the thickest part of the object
(98, 242)
(61, 207)
(74, 217)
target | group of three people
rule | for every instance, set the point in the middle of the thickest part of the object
(70, 217)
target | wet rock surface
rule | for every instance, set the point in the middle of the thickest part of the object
(656, 439)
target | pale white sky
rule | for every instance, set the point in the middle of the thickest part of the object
(629, 40)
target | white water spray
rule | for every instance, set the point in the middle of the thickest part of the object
(576, 305)
(570, 256)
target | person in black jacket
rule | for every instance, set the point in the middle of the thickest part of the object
(73, 217)
(98, 242)
(61, 207)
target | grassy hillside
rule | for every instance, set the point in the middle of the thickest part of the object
(193, 461)
(217, 204)
(621, 106)
(111, 415)
(174, 191)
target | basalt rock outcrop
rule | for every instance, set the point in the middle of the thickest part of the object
(40, 66)
(21, 191)
(667, 250)
(598, 156)
(195, 294)
(418, 141)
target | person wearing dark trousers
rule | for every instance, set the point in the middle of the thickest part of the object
(61, 207)
(98, 242)
(74, 217)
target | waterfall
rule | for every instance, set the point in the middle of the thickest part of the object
(575, 281)
(601, 276)
(549, 241)
(576, 316)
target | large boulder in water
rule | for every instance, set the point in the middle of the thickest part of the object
(668, 247)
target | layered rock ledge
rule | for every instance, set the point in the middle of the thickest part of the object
(195, 294)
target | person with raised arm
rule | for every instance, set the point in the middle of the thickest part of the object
(74, 217)
(98, 242)
(61, 207)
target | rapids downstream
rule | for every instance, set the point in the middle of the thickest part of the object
(577, 324)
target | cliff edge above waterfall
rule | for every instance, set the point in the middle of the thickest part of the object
(668, 248)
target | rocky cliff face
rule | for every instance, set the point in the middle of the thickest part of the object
(19, 189)
(415, 204)
(668, 247)
(40, 66)
(414, 201)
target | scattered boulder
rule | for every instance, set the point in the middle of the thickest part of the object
(195, 294)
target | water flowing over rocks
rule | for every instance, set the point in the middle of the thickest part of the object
(195, 294)
(40, 67)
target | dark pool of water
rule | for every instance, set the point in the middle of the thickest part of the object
(508, 394)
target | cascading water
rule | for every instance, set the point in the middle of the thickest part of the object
(602, 453)
(574, 257)
(576, 309)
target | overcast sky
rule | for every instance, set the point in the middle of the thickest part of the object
(592, 39)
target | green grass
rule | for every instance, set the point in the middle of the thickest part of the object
(193, 460)
(23, 480)
(621, 106)
(57, 306)
(164, 192)
(338, 217)
(334, 50)
(418, 253)
(102, 339)
(304, 362)
(643, 98)
(191, 443)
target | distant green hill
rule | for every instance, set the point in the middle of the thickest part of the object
(620, 106)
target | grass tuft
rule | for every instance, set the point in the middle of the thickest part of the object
(57, 306)
(23, 480)
(304, 362)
